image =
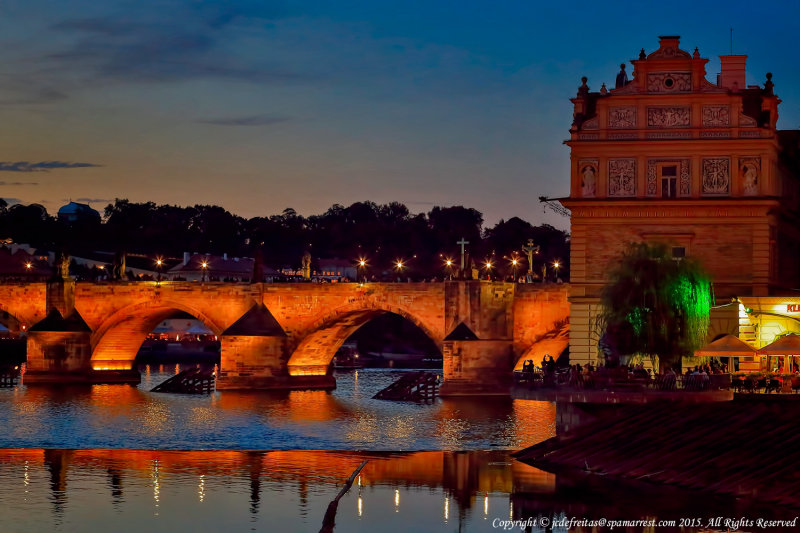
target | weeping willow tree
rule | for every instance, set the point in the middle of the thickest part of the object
(654, 305)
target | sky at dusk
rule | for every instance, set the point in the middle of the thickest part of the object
(258, 106)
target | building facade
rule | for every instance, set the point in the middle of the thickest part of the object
(670, 156)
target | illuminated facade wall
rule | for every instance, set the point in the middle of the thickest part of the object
(763, 319)
(672, 157)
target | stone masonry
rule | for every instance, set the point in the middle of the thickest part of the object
(281, 335)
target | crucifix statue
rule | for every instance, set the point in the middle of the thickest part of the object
(530, 249)
(463, 242)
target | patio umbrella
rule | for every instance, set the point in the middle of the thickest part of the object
(788, 345)
(727, 346)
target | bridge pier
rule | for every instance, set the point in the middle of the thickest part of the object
(259, 362)
(254, 353)
(473, 367)
(60, 352)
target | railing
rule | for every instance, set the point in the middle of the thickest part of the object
(765, 384)
(621, 380)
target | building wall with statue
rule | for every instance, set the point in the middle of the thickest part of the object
(669, 156)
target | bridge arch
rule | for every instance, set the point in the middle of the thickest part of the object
(14, 323)
(118, 339)
(314, 349)
(22, 304)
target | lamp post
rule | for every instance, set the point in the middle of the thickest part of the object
(556, 265)
(204, 267)
(362, 269)
(399, 266)
(514, 263)
(488, 266)
(448, 263)
(159, 263)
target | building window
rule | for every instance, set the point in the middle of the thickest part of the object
(678, 252)
(669, 181)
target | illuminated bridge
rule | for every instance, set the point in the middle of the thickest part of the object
(280, 335)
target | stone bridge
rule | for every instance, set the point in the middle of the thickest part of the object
(279, 335)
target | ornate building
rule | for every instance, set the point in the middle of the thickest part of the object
(670, 156)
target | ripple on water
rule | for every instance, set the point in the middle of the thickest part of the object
(122, 416)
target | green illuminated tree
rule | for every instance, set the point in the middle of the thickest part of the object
(655, 305)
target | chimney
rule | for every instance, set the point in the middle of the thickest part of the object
(732, 75)
(185, 258)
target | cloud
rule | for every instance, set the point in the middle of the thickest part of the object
(18, 183)
(41, 166)
(184, 41)
(253, 120)
(94, 200)
(41, 95)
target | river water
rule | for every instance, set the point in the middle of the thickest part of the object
(120, 458)
(124, 416)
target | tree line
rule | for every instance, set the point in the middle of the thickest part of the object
(379, 233)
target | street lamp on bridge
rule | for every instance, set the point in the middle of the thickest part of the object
(362, 269)
(488, 266)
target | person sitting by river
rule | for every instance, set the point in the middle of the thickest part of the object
(669, 380)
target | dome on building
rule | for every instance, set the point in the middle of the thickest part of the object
(74, 211)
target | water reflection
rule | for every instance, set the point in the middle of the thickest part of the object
(111, 416)
(85, 490)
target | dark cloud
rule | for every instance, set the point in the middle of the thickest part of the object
(218, 15)
(41, 95)
(41, 166)
(18, 183)
(253, 120)
(94, 200)
(183, 42)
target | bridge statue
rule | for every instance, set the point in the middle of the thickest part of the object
(306, 265)
(61, 267)
(530, 249)
(118, 270)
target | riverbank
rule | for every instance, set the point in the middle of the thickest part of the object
(747, 448)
